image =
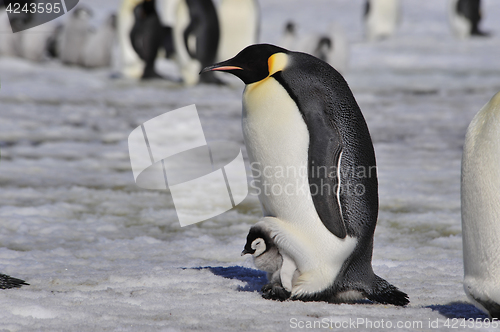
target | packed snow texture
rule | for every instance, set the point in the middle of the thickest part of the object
(101, 254)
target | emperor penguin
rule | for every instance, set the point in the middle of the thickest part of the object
(480, 193)
(381, 18)
(126, 61)
(74, 36)
(266, 257)
(239, 26)
(464, 17)
(304, 134)
(147, 36)
(196, 38)
(7, 282)
(99, 47)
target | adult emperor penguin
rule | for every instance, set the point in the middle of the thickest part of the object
(147, 36)
(381, 18)
(7, 282)
(301, 122)
(481, 208)
(464, 17)
(196, 38)
(266, 257)
(126, 61)
(239, 26)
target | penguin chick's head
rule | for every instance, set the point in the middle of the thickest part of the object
(254, 63)
(258, 242)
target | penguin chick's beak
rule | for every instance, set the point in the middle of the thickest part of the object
(244, 252)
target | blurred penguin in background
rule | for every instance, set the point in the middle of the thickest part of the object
(99, 47)
(196, 38)
(464, 17)
(32, 43)
(74, 36)
(239, 22)
(381, 18)
(127, 62)
(147, 36)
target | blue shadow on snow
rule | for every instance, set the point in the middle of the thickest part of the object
(459, 310)
(255, 279)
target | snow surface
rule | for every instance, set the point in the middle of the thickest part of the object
(101, 254)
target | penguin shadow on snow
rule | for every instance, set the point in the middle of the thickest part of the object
(459, 310)
(255, 279)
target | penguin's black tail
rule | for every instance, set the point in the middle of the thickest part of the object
(7, 282)
(385, 293)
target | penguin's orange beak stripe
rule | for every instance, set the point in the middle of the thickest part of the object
(226, 68)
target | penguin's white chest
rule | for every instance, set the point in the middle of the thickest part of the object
(277, 141)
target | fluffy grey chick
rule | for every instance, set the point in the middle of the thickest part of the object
(266, 257)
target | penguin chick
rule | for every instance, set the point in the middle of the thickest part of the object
(267, 257)
(7, 282)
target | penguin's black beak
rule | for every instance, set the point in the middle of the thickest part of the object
(221, 66)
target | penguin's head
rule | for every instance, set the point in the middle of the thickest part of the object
(254, 63)
(258, 242)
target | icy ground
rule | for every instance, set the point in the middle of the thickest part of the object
(101, 254)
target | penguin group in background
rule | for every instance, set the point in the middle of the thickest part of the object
(7, 282)
(381, 18)
(266, 257)
(480, 195)
(464, 17)
(331, 47)
(239, 22)
(299, 113)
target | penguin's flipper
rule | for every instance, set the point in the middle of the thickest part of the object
(385, 293)
(325, 149)
(7, 282)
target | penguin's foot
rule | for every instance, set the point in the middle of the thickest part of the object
(385, 293)
(273, 291)
(7, 282)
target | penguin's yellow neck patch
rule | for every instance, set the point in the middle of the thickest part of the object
(277, 62)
